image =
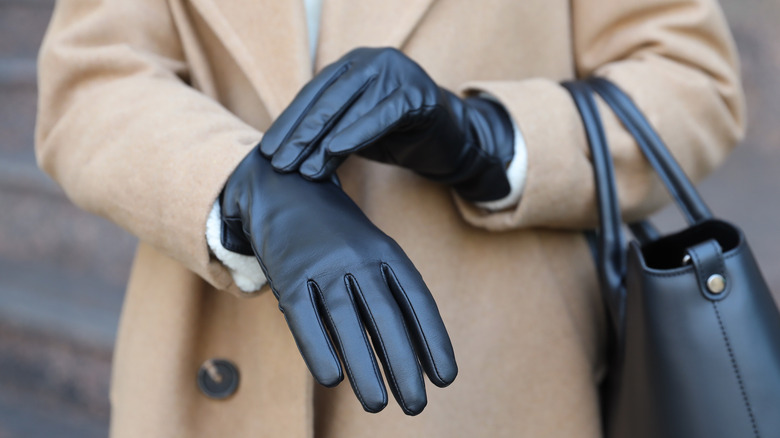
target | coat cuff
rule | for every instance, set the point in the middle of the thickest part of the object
(245, 270)
(558, 184)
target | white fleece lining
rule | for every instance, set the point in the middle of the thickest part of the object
(245, 270)
(515, 173)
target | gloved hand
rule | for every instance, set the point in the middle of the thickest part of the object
(336, 276)
(382, 105)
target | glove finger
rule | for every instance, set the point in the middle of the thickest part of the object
(320, 116)
(424, 321)
(358, 127)
(385, 324)
(346, 329)
(291, 116)
(301, 311)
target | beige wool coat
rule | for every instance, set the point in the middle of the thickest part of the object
(146, 106)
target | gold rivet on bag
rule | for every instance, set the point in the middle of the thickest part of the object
(716, 283)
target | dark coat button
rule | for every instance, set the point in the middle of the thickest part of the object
(218, 378)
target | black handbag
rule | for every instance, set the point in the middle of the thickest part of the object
(695, 334)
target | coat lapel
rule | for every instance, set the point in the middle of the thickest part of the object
(268, 40)
(347, 24)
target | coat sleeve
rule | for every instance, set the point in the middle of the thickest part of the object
(677, 61)
(125, 136)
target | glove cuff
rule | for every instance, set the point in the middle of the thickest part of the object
(245, 269)
(516, 174)
(491, 140)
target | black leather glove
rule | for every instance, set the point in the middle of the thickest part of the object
(382, 105)
(336, 276)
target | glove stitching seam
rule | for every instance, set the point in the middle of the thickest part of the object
(312, 301)
(382, 344)
(333, 155)
(417, 320)
(377, 374)
(336, 75)
(354, 266)
(306, 151)
(389, 128)
(340, 343)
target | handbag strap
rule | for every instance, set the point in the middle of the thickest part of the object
(611, 246)
(611, 260)
(674, 178)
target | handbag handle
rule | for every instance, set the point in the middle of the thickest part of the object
(611, 246)
(674, 178)
(611, 262)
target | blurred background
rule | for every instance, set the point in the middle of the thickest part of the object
(63, 271)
